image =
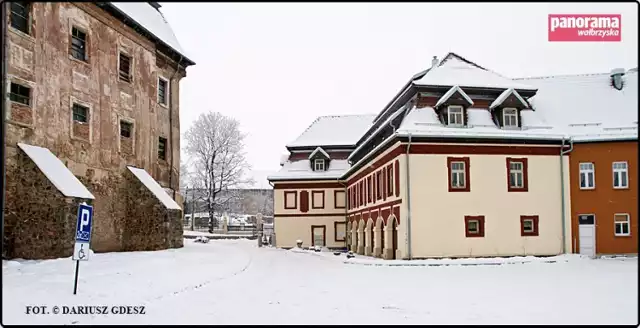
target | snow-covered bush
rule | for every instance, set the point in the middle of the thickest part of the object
(201, 239)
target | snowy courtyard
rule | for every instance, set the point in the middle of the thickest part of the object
(235, 282)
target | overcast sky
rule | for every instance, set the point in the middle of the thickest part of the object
(277, 66)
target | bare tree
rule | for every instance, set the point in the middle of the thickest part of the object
(215, 146)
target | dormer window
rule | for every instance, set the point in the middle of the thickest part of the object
(510, 118)
(318, 165)
(455, 116)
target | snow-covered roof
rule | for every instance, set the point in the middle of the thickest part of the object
(339, 130)
(587, 107)
(152, 20)
(59, 175)
(319, 149)
(455, 71)
(451, 92)
(301, 170)
(425, 122)
(504, 95)
(153, 186)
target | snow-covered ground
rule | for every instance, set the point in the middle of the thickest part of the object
(234, 282)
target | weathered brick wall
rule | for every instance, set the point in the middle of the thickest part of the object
(93, 151)
(39, 221)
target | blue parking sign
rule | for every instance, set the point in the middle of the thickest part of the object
(83, 228)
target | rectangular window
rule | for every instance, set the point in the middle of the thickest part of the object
(318, 165)
(20, 16)
(20, 94)
(622, 223)
(78, 44)
(290, 200)
(620, 175)
(517, 174)
(340, 230)
(510, 118)
(162, 91)
(379, 185)
(456, 116)
(125, 129)
(587, 176)
(362, 193)
(162, 148)
(80, 113)
(369, 189)
(459, 175)
(390, 180)
(317, 199)
(125, 68)
(529, 225)
(474, 226)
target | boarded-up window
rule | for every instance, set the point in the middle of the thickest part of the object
(339, 199)
(340, 231)
(290, 200)
(304, 201)
(317, 199)
(318, 234)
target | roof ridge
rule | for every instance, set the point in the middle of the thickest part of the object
(559, 76)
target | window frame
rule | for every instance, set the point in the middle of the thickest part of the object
(12, 94)
(582, 171)
(617, 171)
(335, 231)
(514, 114)
(627, 222)
(313, 200)
(12, 13)
(166, 91)
(129, 77)
(73, 113)
(85, 55)
(466, 172)
(450, 114)
(316, 162)
(287, 206)
(390, 181)
(126, 123)
(524, 171)
(534, 223)
(481, 226)
(164, 151)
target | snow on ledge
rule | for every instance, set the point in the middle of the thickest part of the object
(154, 187)
(53, 168)
(319, 149)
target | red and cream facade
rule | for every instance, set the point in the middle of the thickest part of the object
(463, 170)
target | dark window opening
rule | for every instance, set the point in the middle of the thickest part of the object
(78, 44)
(125, 129)
(80, 113)
(125, 68)
(162, 148)
(162, 91)
(20, 94)
(20, 16)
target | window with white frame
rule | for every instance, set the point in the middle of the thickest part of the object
(587, 176)
(516, 174)
(620, 175)
(455, 116)
(510, 118)
(622, 223)
(457, 175)
(318, 165)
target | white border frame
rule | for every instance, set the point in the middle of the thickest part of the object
(504, 110)
(580, 174)
(628, 222)
(613, 171)
(315, 164)
(595, 233)
(167, 92)
(125, 52)
(449, 115)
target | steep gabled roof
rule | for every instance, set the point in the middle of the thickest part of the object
(455, 70)
(321, 151)
(455, 89)
(504, 95)
(335, 130)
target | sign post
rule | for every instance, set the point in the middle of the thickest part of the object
(83, 238)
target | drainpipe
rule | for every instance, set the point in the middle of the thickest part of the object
(408, 202)
(345, 211)
(562, 198)
(171, 126)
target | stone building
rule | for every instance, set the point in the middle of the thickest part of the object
(97, 84)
